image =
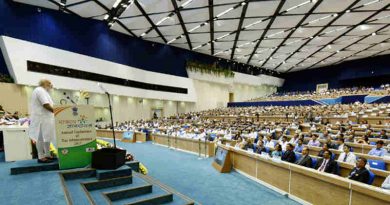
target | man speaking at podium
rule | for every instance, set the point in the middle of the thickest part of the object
(42, 127)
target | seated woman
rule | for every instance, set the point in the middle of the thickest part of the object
(278, 151)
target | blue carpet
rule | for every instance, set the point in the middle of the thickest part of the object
(181, 171)
(199, 180)
(34, 188)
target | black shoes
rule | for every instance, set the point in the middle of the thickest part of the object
(47, 160)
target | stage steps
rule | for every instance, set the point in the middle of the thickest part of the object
(121, 186)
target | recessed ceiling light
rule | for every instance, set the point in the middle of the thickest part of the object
(347, 11)
(243, 3)
(335, 15)
(373, 34)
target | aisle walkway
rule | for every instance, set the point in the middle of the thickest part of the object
(199, 180)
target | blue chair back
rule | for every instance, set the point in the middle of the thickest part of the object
(371, 177)
(267, 149)
(297, 156)
(314, 162)
(377, 164)
(333, 156)
(372, 143)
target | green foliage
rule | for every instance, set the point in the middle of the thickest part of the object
(6, 78)
(209, 69)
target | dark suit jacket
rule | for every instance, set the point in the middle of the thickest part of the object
(305, 161)
(360, 175)
(259, 150)
(331, 167)
(289, 156)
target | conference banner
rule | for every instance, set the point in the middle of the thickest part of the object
(76, 135)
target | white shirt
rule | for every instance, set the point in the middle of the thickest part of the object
(40, 97)
(351, 158)
(386, 183)
(42, 120)
(270, 144)
(341, 147)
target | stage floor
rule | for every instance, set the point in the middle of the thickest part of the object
(182, 171)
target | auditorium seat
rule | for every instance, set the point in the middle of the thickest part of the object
(371, 178)
(297, 156)
(372, 143)
(377, 164)
(314, 162)
(267, 149)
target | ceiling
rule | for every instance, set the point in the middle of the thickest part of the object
(282, 36)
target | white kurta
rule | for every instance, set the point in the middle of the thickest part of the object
(42, 120)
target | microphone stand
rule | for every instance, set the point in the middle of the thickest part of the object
(109, 158)
(112, 120)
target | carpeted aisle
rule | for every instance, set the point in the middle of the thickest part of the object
(199, 180)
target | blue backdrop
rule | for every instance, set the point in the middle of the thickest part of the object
(91, 37)
(370, 71)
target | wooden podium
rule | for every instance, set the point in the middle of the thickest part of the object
(222, 161)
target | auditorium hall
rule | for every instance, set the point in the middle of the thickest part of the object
(195, 102)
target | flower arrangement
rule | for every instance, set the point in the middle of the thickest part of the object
(209, 69)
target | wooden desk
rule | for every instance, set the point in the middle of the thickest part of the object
(139, 137)
(104, 133)
(191, 145)
(305, 183)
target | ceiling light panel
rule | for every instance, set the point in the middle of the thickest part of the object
(154, 6)
(352, 18)
(87, 10)
(297, 6)
(263, 8)
(286, 21)
(305, 32)
(333, 5)
(371, 4)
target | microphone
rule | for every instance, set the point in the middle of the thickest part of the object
(102, 88)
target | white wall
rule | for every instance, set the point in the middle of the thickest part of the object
(204, 91)
(17, 52)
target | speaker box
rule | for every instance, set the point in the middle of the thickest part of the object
(108, 158)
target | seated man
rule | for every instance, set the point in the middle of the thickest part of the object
(378, 150)
(383, 135)
(284, 143)
(326, 164)
(268, 142)
(314, 142)
(260, 147)
(347, 156)
(294, 139)
(360, 173)
(305, 160)
(289, 154)
(299, 146)
(325, 147)
(386, 183)
(340, 143)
